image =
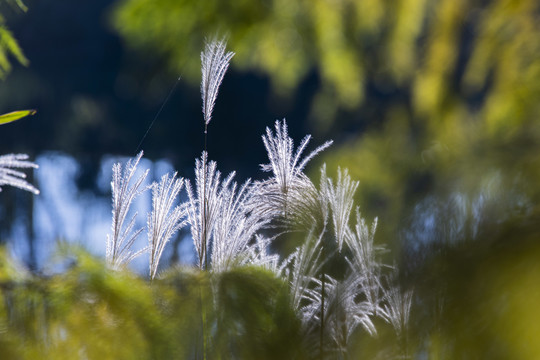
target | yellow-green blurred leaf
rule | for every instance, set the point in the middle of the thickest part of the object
(15, 115)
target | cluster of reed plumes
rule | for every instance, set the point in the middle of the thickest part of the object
(235, 225)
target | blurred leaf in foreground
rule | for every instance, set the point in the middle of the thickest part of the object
(15, 115)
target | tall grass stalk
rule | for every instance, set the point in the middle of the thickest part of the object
(120, 242)
(214, 64)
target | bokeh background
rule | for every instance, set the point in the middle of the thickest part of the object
(432, 104)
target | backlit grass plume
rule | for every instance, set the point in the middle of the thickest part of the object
(11, 177)
(120, 242)
(215, 62)
(203, 204)
(164, 220)
(289, 193)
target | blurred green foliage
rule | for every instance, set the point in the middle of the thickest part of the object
(466, 129)
(478, 297)
(91, 312)
(8, 44)
(440, 52)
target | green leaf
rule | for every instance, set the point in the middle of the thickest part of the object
(15, 115)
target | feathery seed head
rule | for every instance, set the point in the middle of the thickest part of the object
(121, 240)
(215, 62)
(289, 191)
(11, 177)
(165, 219)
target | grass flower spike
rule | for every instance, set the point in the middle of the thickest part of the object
(121, 240)
(11, 177)
(215, 62)
(164, 220)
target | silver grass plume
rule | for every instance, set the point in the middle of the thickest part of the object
(11, 177)
(203, 205)
(289, 193)
(301, 268)
(397, 307)
(164, 220)
(214, 64)
(236, 226)
(346, 312)
(259, 255)
(121, 240)
(343, 312)
(341, 200)
(286, 164)
(364, 262)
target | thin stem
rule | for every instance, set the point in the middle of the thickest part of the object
(205, 196)
(204, 234)
(321, 334)
(203, 316)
